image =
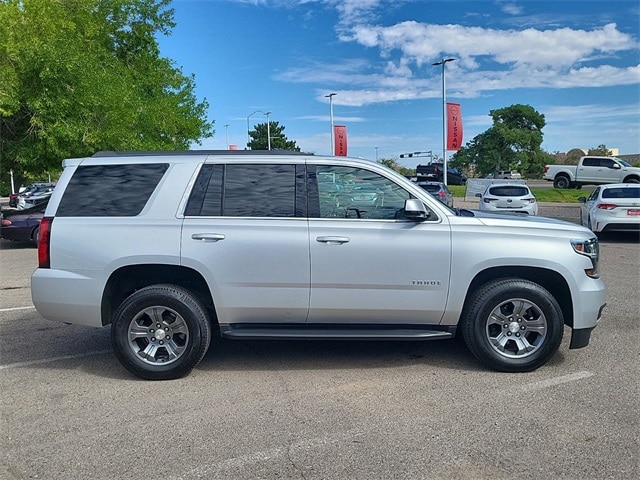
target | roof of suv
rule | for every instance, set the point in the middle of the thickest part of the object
(166, 153)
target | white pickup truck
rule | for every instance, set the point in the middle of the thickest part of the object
(592, 170)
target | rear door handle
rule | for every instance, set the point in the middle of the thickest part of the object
(208, 237)
(333, 240)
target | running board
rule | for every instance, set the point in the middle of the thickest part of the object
(256, 332)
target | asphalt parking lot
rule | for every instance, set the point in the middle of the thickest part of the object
(319, 410)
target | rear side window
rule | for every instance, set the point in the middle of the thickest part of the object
(110, 190)
(249, 190)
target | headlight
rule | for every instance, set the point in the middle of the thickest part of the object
(591, 249)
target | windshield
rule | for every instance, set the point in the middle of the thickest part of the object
(626, 164)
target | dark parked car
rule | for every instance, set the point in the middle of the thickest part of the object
(22, 225)
(440, 191)
(434, 172)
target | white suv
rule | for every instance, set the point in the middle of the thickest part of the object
(169, 248)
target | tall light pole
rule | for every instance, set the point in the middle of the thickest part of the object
(268, 132)
(226, 127)
(330, 97)
(251, 115)
(444, 119)
(376, 154)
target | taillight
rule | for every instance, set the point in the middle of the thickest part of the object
(442, 194)
(5, 222)
(44, 243)
(607, 206)
(546, 169)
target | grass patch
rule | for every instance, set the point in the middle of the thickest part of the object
(541, 194)
(557, 195)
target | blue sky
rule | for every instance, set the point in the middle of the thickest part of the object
(576, 62)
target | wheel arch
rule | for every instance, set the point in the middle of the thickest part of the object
(631, 179)
(549, 279)
(126, 280)
(562, 176)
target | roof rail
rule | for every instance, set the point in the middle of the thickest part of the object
(108, 153)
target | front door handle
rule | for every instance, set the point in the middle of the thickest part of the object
(208, 237)
(333, 240)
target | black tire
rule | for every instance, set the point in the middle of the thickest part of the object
(631, 180)
(512, 325)
(160, 332)
(561, 182)
(35, 235)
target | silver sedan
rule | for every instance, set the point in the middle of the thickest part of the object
(508, 197)
(612, 207)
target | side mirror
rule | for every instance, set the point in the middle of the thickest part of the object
(616, 166)
(582, 199)
(414, 209)
(479, 195)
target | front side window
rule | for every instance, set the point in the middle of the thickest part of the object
(248, 190)
(356, 193)
(607, 163)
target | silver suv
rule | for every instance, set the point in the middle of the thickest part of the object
(168, 248)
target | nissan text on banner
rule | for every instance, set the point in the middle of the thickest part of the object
(454, 126)
(340, 135)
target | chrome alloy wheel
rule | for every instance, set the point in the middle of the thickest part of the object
(516, 328)
(158, 335)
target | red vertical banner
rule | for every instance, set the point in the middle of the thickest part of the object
(340, 139)
(454, 126)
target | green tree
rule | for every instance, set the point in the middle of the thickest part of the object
(513, 142)
(394, 165)
(600, 150)
(80, 76)
(278, 139)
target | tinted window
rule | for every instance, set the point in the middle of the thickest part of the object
(248, 191)
(607, 162)
(621, 192)
(110, 190)
(431, 188)
(509, 191)
(591, 162)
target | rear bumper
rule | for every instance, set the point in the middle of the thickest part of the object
(66, 297)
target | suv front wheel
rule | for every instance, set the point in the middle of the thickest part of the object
(513, 325)
(160, 332)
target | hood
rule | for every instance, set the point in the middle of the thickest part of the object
(527, 221)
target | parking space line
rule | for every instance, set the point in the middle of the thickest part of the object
(552, 382)
(53, 359)
(16, 308)
(269, 455)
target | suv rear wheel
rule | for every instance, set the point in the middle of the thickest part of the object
(513, 325)
(160, 332)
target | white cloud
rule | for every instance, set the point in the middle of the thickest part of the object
(487, 60)
(424, 43)
(512, 9)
